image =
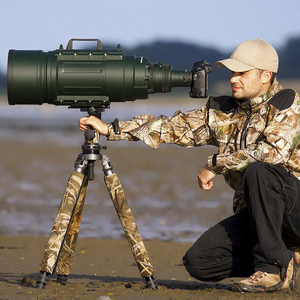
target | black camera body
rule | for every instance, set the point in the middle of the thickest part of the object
(199, 85)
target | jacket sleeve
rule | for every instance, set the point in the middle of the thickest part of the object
(275, 146)
(187, 129)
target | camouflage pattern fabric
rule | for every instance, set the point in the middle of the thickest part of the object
(130, 228)
(59, 253)
(253, 130)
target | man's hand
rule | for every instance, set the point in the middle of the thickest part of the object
(96, 123)
(205, 177)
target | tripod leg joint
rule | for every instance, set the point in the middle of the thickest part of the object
(81, 163)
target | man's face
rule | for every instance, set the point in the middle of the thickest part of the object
(247, 85)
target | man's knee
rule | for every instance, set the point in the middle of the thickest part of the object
(205, 259)
(192, 263)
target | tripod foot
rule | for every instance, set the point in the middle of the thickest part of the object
(151, 282)
(62, 279)
(42, 280)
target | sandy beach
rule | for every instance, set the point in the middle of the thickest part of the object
(106, 268)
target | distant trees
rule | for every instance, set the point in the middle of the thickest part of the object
(182, 56)
(289, 57)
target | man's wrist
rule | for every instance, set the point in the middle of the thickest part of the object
(207, 167)
(212, 164)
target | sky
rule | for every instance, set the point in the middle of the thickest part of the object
(44, 25)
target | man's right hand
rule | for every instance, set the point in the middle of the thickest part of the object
(96, 123)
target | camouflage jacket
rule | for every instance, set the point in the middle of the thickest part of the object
(265, 128)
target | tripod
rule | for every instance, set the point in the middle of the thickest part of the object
(59, 253)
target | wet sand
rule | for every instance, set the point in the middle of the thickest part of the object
(106, 268)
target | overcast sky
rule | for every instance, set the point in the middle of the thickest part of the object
(44, 25)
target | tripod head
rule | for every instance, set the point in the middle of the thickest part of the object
(90, 133)
(91, 149)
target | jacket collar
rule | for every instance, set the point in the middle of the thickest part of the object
(254, 102)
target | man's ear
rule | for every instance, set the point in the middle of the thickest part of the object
(266, 76)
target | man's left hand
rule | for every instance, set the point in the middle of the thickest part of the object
(205, 177)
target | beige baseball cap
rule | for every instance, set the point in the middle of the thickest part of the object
(251, 54)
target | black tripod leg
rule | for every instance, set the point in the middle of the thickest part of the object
(128, 223)
(60, 240)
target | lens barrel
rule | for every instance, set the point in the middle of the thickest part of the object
(26, 82)
(85, 78)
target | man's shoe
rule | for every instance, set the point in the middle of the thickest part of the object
(261, 282)
(293, 269)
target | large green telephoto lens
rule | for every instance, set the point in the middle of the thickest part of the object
(85, 78)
